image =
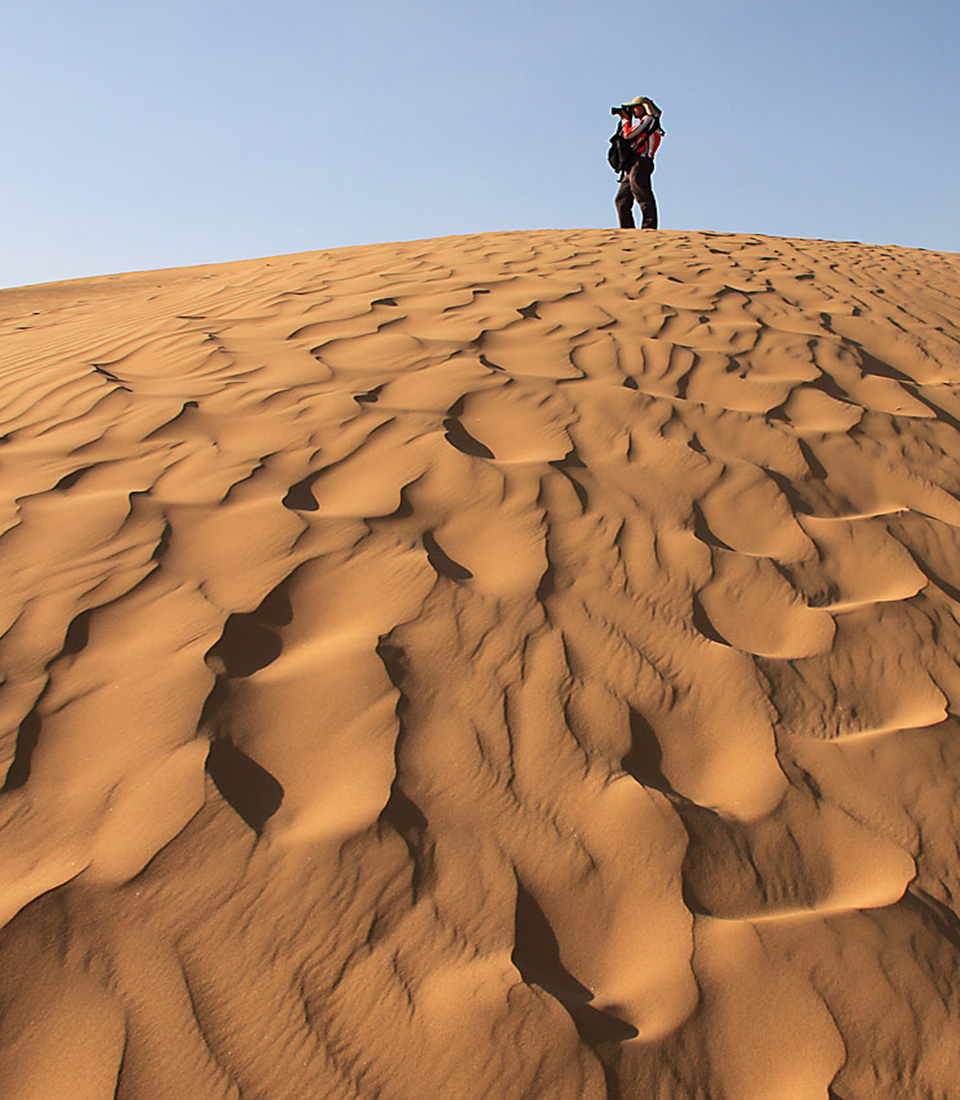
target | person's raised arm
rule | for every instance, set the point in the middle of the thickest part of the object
(644, 126)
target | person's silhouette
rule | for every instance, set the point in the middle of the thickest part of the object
(641, 127)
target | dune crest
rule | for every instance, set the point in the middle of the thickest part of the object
(503, 666)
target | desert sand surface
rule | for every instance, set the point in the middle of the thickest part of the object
(513, 666)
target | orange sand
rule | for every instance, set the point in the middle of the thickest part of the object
(511, 666)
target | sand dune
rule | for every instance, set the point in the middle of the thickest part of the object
(513, 666)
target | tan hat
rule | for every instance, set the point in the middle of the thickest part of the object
(645, 102)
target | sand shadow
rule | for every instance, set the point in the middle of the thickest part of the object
(458, 436)
(249, 641)
(536, 955)
(247, 786)
(644, 758)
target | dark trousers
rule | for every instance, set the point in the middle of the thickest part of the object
(636, 186)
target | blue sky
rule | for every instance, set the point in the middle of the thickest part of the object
(144, 135)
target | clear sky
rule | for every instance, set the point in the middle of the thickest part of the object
(156, 134)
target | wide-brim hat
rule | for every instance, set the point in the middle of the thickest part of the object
(646, 102)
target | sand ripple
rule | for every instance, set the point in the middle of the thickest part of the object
(508, 666)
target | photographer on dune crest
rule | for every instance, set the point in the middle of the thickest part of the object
(632, 149)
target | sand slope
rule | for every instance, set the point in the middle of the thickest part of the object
(510, 666)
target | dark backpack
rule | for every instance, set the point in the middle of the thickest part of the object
(621, 154)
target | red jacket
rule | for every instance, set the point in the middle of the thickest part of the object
(645, 134)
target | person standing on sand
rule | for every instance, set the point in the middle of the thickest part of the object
(641, 128)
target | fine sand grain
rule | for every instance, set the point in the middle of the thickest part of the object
(514, 666)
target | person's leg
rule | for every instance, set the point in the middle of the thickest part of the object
(641, 187)
(624, 204)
